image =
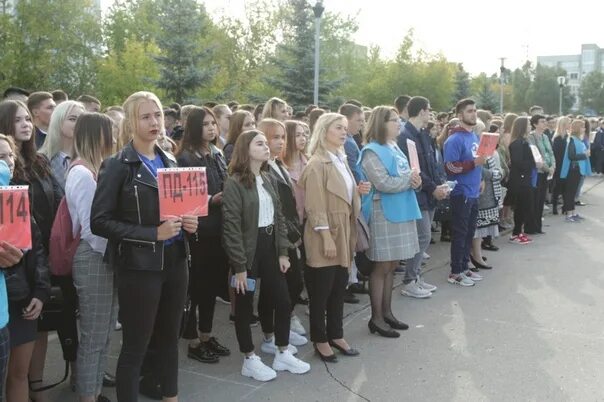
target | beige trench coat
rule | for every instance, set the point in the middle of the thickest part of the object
(327, 204)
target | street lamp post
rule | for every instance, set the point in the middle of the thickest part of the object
(561, 83)
(318, 10)
(501, 82)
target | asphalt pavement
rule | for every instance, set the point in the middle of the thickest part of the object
(532, 330)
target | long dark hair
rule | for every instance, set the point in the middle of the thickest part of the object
(192, 137)
(240, 161)
(29, 164)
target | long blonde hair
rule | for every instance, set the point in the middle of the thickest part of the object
(317, 139)
(131, 106)
(562, 127)
(53, 143)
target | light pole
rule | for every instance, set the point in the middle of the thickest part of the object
(561, 83)
(501, 80)
(318, 10)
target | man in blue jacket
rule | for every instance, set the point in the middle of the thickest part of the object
(463, 165)
(414, 130)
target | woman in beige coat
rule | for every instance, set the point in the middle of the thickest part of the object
(332, 206)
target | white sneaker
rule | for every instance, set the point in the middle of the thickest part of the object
(426, 256)
(473, 275)
(426, 285)
(223, 301)
(118, 326)
(270, 347)
(287, 361)
(413, 289)
(296, 325)
(254, 368)
(296, 339)
(460, 279)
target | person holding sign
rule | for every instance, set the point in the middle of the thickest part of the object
(464, 165)
(93, 279)
(148, 256)
(45, 194)
(254, 229)
(415, 143)
(538, 139)
(209, 263)
(523, 179)
(391, 210)
(27, 288)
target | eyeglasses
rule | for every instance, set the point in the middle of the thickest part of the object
(393, 120)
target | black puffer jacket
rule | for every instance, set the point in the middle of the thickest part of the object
(125, 210)
(30, 278)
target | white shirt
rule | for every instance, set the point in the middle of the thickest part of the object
(340, 163)
(79, 192)
(266, 213)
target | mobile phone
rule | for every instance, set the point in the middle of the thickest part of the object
(251, 284)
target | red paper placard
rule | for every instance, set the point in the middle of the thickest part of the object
(413, 158)
(15, 219)
(182, 191)
(488, 144)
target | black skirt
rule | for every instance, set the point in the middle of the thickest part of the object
(21, 331)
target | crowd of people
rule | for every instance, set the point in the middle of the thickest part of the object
(301, 206)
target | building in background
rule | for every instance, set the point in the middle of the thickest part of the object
(577, 66)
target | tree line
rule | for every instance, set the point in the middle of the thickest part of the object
(176, 49)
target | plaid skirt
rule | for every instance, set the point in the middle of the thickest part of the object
(391, 241)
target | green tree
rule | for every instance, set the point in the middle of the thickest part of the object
(131, 20)
(462, 84)
(545, 91)
(484, 93)
(51, 44)
(591, 92)
(123, 73)
(185, 65)
(242, 48)
(521, 81)
(293, 73)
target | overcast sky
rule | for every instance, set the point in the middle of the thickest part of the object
(475, 32)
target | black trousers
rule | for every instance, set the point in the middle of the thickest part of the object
(326, 287)
(540, 193)
(570, 188)
(151, 303)
(295, 283)
(209, 278)
(274, 307)
(524, 201)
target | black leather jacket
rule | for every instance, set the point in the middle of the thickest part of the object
(125, 210)
(29, 278)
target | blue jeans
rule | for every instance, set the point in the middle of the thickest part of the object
(464, 212)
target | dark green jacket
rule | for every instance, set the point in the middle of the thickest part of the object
(240, 207)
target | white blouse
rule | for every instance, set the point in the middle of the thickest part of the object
(340, 163)
(266, 213)
(79, 192)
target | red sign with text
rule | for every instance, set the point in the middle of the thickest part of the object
(488, 144)
(15, 218)
(182, 191)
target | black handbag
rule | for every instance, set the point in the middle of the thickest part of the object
(364, 264)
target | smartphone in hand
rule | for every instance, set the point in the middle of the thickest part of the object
(251, 284)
